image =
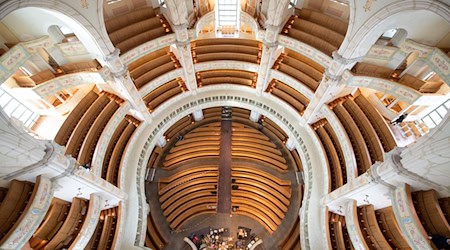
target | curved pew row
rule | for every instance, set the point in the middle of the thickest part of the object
(430, 213)
(317, 29)
(54, 219)
(366, 69)
(69, 230)
(15, 205)
(339, 238)
(301, 68)
(153, 65)
(259, 195)
(188, 193)
(163, 93)
(368, 223)
(369, 133)
(136, 27)
(202, 143)
(390, 229)
(292, 239)
(245, 50)
(239, 77)
(84, 125)
(154, 238)
(105, 233)
(250, 144)
(333, 152)
(116, 149)
(288, 94)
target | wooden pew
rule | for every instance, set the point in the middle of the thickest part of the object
(154, 237)
(359, 146)
(333, 159)
(391, 230)
(366, 69)
(71, 121)
(322, 45)
(71, 227)
(89, 143)
(124, 20)
(257, 215)
(430, 212)
(111, 145)
(369, 224)
(112, 175)
(379, 123)
(254, 191)
(324, 20)
(339, 238)
(208, 207)
(15, 203)
(292, 239)
(201, 187)
(370, 136)
(319, 31)
(336, 143)
(153, 72)
(300, 76)
(79, 133)
(106, 237)
(53, 220)
(92, 65)
(303, 63)
(292, 101)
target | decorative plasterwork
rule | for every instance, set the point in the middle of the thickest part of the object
(304, 49)
(147, 48)
(19, 54)
(227, 64)
(248, 20)
(398, 90)
(89, 224)
(72, 49)
(55, 85)
(407, 219)
(105, 137)
(32, 216)
(204, 21)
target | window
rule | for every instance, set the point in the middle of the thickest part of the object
(13, 108)
(227, 11)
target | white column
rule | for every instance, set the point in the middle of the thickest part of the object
(254, 116)
(198, 115)
(330, 85)
(161, 141)
(122, 83)
(290, 144)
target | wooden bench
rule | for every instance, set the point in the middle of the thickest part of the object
(339, 238)
(63, 135)
(303, 63)
(300, 76)
(253, 191)
(319, 31)
(71, 227)
(191, 210)
(261, 186)
(333, 159)
(285, 190)
(79, 133)
(53, 220)
(153, 73)
(92, 65)
(292, 101)
(379, 123)
(226, 56)
(111, 145)
(201, 187)
(165, 186)
(336, 143)
(14, 205)
(391, 230)
(368, 132)
(430, 212)
(251, 212)
(187, 185)
(126, 19)
(268, 161)
(292, 239)
(369, 224)
(90, 142)
(154, 237)
(293, 92)
(366, 69)
(322, 45)
(178, 126)
(359, 146)
(112, 175)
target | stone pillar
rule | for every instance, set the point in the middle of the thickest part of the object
(178, 15)
(290, 144)
(198, 115)
(120, 79)
(162, 141)
(330, 85)
(268, 57)
(254, 116)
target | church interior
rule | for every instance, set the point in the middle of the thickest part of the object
(224, 124)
